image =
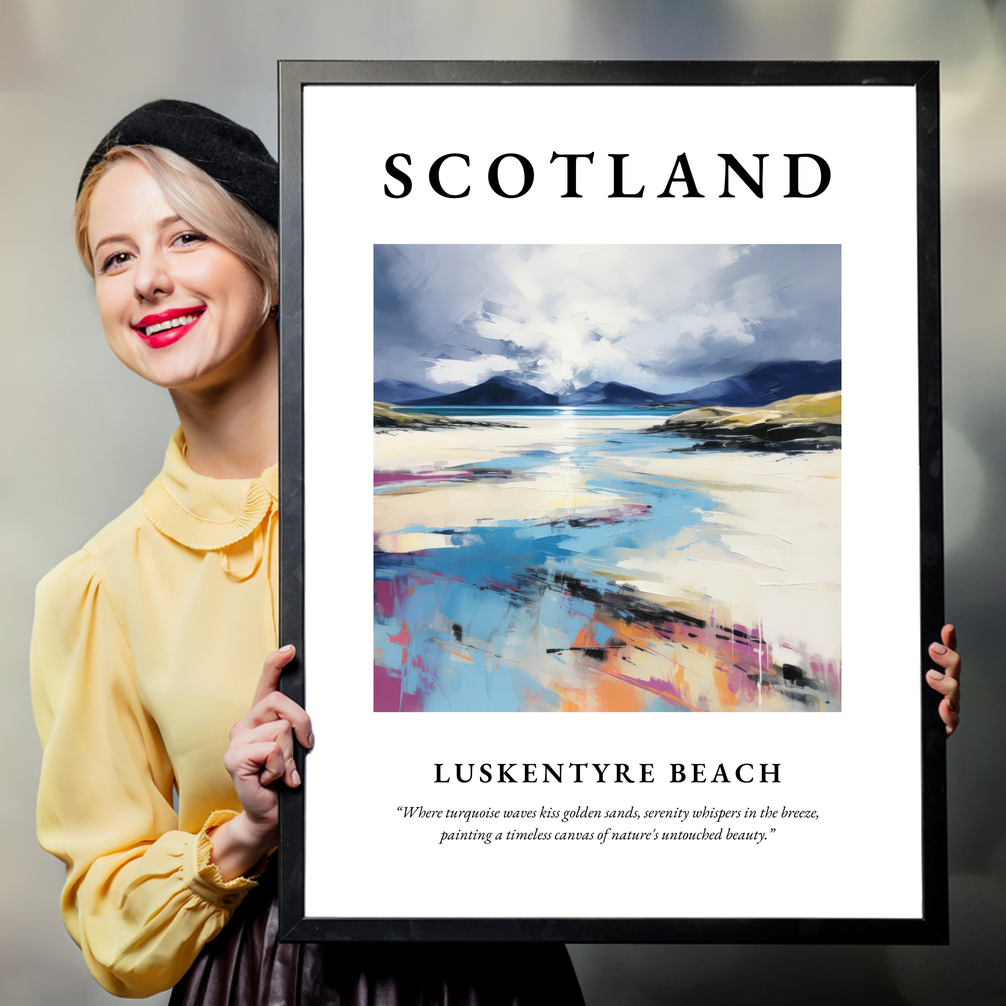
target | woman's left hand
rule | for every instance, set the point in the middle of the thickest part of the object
(948, 681)
(260, 754)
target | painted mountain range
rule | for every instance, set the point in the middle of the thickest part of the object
(399, 392)
(495, 391)
(768, 382)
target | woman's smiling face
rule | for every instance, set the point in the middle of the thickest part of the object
(177, 308)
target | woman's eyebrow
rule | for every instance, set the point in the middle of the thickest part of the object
(160, 225)
(109, 240)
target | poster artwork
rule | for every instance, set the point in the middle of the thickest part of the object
(595, 420)
(607, 478)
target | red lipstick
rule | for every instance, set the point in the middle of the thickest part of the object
(166, 327)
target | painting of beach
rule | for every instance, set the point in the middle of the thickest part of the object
(607, 478)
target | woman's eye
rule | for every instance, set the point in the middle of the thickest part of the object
(190, 238)
(114, 261)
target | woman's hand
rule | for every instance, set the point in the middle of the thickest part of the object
(260, 753)
(948, 681)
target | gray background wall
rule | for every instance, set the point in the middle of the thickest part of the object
(82, 436)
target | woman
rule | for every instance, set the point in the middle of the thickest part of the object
(148, 643)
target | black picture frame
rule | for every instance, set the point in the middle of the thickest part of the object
(931, 927)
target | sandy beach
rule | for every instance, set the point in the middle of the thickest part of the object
(744, 543)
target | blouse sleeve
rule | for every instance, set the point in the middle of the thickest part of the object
(141, 898)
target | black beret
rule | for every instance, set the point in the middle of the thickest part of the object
(230, 154)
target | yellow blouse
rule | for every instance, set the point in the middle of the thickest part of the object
(147, 647)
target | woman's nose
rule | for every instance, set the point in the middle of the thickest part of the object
(152, 277)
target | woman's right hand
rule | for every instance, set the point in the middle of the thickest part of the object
(260, 753)
(948, 681)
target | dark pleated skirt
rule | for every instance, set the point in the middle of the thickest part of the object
(246, 965)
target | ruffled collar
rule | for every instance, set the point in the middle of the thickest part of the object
(203, 513)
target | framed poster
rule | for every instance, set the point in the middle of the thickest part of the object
(611, 501)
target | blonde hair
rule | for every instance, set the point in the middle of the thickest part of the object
(199, 200)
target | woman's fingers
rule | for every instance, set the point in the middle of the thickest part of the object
(949, 660)
(277, 706)
(271, 671)
(944, 684)
(949, 710)
(947, 657)
(270, 703)
(949, 636)
(947, 681)
(274, 766)
(278, 735)
(950, 716)
(261, 749)
(258, 760)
